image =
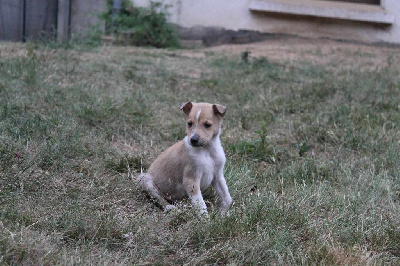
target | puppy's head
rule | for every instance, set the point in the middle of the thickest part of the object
(203, 122)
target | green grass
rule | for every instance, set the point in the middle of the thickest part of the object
(313, 158)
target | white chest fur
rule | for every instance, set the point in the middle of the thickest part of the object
(209, 161)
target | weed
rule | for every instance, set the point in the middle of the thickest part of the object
(245, 56)
(23, 69)
(303, 147)
(149, 25)
(259, 149)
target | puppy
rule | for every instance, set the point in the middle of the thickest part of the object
(191, 165)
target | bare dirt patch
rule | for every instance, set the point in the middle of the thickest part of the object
(318, 51)
(280, 49)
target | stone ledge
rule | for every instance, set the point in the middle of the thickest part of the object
(211, 36)
(325, 9)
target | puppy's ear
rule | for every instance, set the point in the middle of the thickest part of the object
(186, 107)
(219, 109)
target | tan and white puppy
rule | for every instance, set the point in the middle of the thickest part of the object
(191, 165)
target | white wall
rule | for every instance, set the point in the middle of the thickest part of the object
(235, 15)
(393, 34)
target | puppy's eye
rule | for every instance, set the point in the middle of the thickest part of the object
(207, 125)
(190, 124)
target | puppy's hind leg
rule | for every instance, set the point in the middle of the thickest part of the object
(146, 182)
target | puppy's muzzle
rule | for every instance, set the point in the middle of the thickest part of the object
(194, 140)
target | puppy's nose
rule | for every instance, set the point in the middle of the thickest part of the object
(194, 139)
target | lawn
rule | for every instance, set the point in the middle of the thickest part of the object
(312, 138)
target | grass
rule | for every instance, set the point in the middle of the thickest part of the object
(313, 158)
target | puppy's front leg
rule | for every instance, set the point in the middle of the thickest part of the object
(192, 187)
(222, 191)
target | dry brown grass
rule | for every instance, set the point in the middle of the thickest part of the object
(311, 135)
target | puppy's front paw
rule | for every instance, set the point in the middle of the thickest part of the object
(168, 208)
(203, 214)
(226, 213)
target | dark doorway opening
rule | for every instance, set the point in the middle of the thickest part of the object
(22, 20)
(370, 2)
